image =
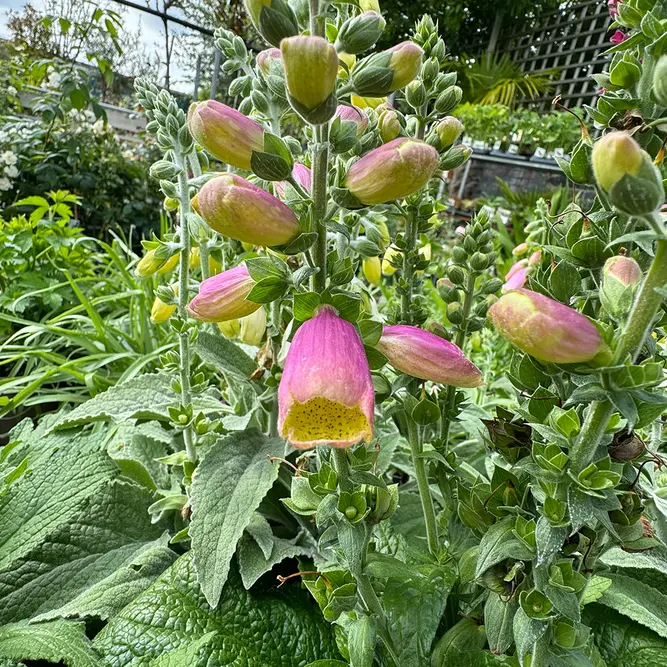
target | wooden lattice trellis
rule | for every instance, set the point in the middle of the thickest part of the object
(570, 40)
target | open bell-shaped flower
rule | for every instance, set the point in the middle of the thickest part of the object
(225, 132)
(326, 393)
(427, 356)
(547, 329)
(223, 297)
(243, 211)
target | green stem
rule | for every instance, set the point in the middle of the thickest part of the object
(424, 490)
(183, 285)
(339, 460)
(411, 229)
(637, 327)
(421, 122)
(320, 163)
(276, 316)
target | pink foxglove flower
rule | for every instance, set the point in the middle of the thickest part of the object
(427, 356)
(326, 394)
(243, 211)
(547, 329)
(223, 297)
(618, 37)
(225, 132)
(351, 113)
(392, 171)
(517, 276)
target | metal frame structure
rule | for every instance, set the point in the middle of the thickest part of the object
(570, 39)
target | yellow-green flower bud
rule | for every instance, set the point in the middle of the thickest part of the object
(360, 32)
(385, 72)
(627, 174)
(446, 132)
(161, 311)
(253, 327)
(372, 268)
(148, 264)
(311, 68)
(660, 81)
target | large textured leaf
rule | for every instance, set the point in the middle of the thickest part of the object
(142, 397)
(55, 641)
(50, 496)
(637, 600)
(414, 608)
(225, 355)
(622, 642)
(283, 629)
(67, 526)
(229, 485)
(655, 559)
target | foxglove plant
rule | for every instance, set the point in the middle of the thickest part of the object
(335, 241)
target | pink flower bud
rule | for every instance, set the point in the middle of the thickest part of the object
(517, 276)
(618, 37)
(535, 258)
(351, 113)
(311, 68)
(547, 329)
(266, 57)
(301, 175)
(223, 297)
(243, 211)
(392, 171)
(326, 394)
(621, 277)
(225, 133)
(427, 356)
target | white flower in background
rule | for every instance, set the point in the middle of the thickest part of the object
(98, 127)
(54, 80)
(8, 157)
(11, 171)
(5, 184)
(11, 91)
(129, 155)
(89, 115)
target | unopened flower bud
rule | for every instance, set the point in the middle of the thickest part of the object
(269, 61)
(223, 297)
(621, 277)
(225, 133)
(547, 329)
(627, 174)
(161, 311)
(149, 264)
(391, 257)
(427, 356)
(243, 211)
(360, 32)
(372, 268)
(253, 327)
(311, 68)
(455, 157)
(369, 5)
(348, 113)
(660, 81)
(415, 94)
(447, 131)
(382, 73)
(301, 174)
(273, 19)
(448, 99)
(392, 171)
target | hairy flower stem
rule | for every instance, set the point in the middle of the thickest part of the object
(276, 317)
(422, 484)
(411, 229)
(450, 399)
(637, 327)
(320, 162)
(364, 587)
(183, 285)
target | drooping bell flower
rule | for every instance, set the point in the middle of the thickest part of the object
(392, 171)
(382, 73)
(149, 264)
(243, 211)
(352, 114)
(372, 269)
(301, 174)
(225, 132)
(161, 311)
(425, 355)
(391, 256)
(547, 329)
(273, 19)
(223, 297)
(252, 327)
(311, 68)
(326, 393)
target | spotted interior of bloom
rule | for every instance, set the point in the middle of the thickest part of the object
(323, 420)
